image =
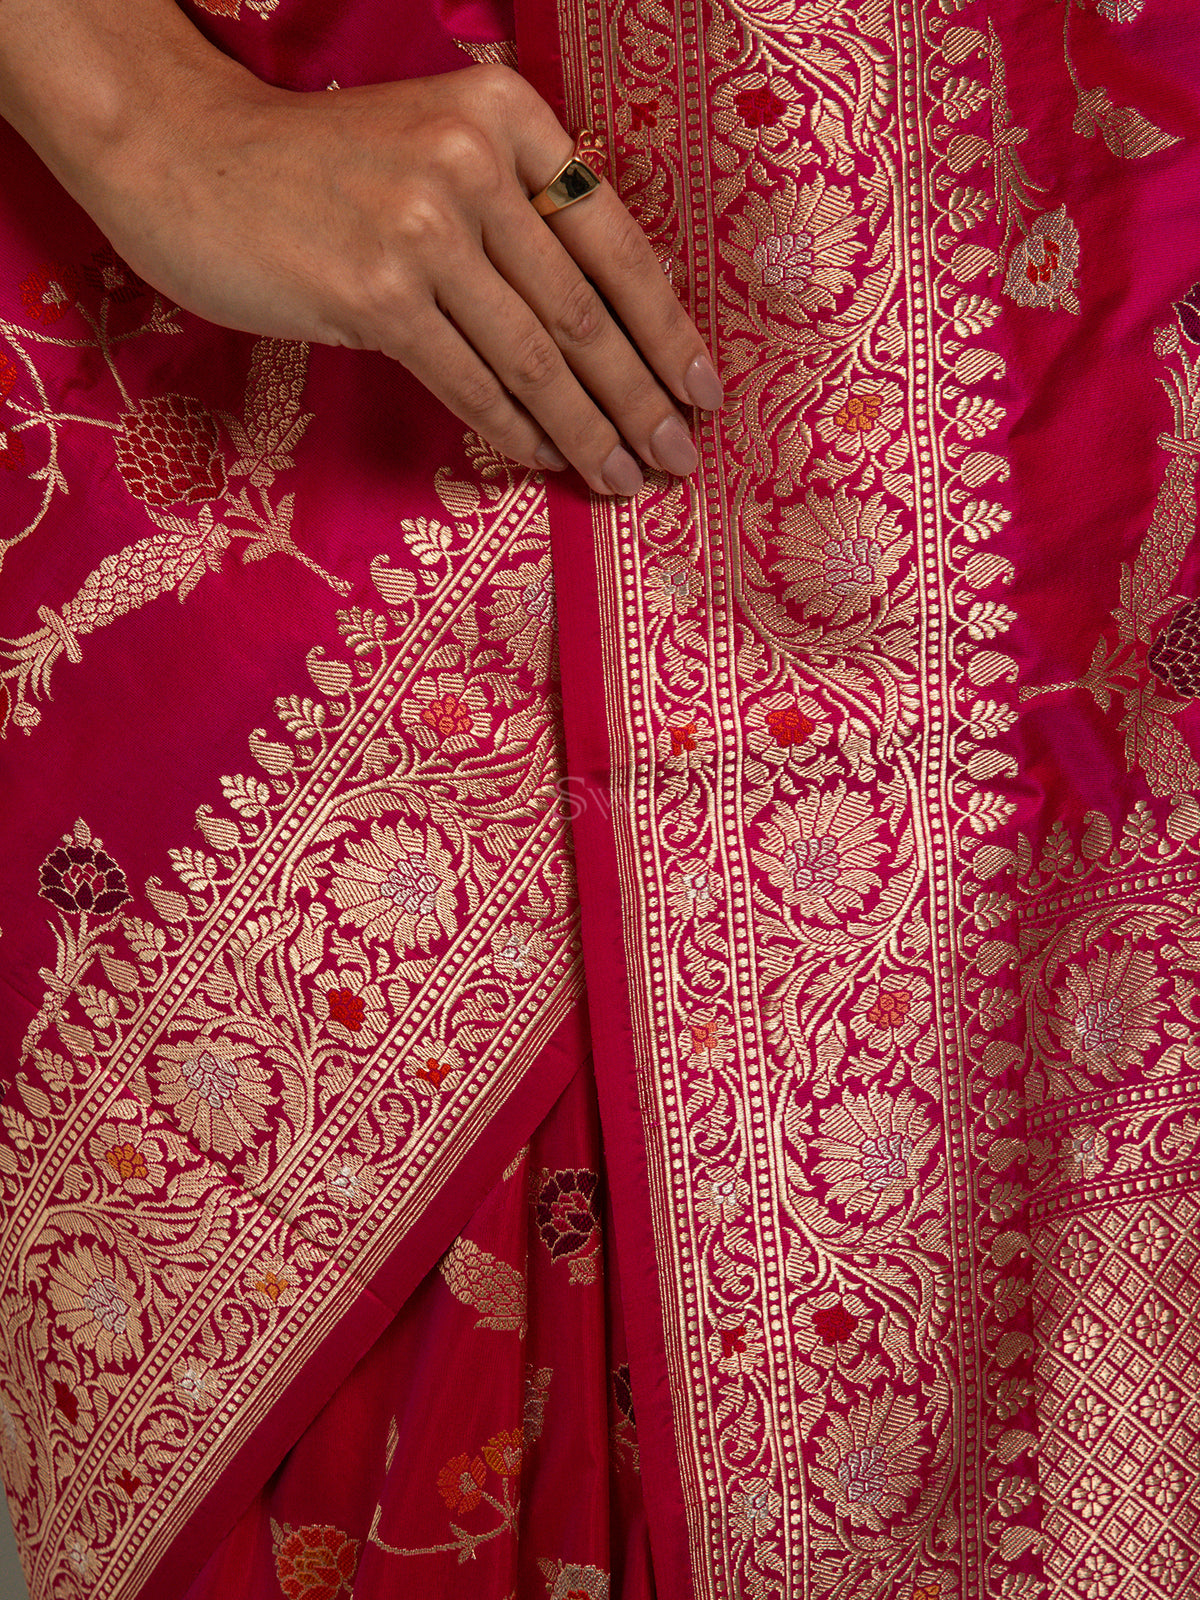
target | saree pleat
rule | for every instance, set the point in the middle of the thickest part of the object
(527, 1476)
(867, 799)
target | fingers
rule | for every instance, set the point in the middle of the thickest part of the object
(599, 234)
(527, 352)
(449, 368)
(513, 340)
(616, 255)
(593, 350)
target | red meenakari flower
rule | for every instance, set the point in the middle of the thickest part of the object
(127, 1161)
(705, 1036)
(834, 1324)
(759, 108)
(316, 1563)
(733, 1341)
(567, 1215)
(460, 1482)
(683, 738)
(81, 878)
(8, 375)
(347, 1008)
(1043, 271)
(129, 1481)
(435, 1072)
(789, 726)
(447, 716)
(891, 1009)
(48, 293)
(12, 450)
(168, 450)
(643, 114)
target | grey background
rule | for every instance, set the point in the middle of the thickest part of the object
(12, 1584)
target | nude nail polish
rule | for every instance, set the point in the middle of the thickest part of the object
(673, 448)
(621, 473)
(703, 386)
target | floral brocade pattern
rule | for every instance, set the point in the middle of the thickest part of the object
(810, 696)
(384, 901)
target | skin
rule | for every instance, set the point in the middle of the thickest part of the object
(394, 217)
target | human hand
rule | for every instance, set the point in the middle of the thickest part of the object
(396, 217)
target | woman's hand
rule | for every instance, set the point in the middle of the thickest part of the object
(395, 218)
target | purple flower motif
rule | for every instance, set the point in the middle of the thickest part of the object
(1188, 310)
(81, 878)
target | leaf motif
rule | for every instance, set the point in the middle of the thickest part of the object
(247, 796)
(967, 207)
(987, 618)
(196, 870)
(965, 150)
(961, 96)
(428, 540)
(491, 1286)
(1127, 133)
(274, 422)
(972, 313)
(976, 415)
(121, 974)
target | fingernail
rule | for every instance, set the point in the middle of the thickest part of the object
(547, 456)
(621, 473)
(673, 448)
(703, 386)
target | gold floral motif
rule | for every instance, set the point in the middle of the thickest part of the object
(398, 884)
(823, 853)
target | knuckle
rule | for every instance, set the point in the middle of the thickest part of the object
(477, 397)
(581, 318)
(383, 294)
(629, 248)
(536, 360)
(463, 154)
(492, 81)
(421, 220)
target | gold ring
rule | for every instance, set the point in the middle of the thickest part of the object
(580, 175)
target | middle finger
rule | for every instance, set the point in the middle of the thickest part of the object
(593, 345)
(515, 344)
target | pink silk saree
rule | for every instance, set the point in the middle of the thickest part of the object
(856, 780)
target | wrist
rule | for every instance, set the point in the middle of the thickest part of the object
(112, 98)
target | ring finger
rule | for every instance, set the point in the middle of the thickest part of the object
(516, 344)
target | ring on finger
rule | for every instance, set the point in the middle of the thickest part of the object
(579, 176)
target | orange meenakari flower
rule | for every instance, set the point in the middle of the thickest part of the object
(127, 1161)
(502, 1452)
(861, 417)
